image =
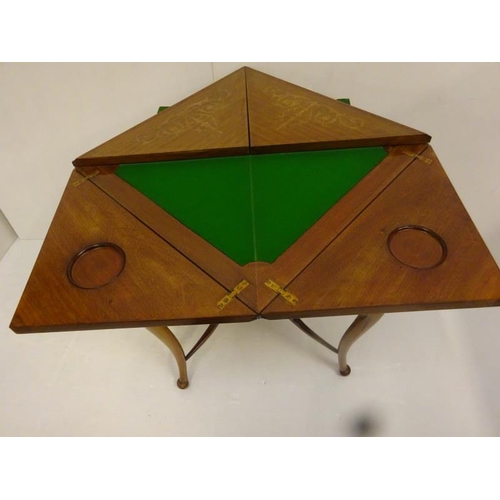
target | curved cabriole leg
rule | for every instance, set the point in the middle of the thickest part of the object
(170, 340)
(359, 326)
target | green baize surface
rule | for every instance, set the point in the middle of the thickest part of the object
(252, 208)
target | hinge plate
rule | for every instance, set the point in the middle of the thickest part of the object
(288, 296)
(83, 179)
(229, 297)
(420, 157)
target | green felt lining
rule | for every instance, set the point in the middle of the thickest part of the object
(254, 207)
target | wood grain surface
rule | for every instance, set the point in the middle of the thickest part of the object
(285, 117)
(158, 285)
(227, 272)
(357, 272)
(212, 122)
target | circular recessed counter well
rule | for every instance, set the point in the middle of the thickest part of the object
(417, 247)
(96, 265)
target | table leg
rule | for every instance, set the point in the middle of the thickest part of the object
(359, 326)
(170, 340)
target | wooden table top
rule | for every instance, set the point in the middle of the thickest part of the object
(208, 213)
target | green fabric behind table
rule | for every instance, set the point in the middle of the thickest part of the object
(252, 208)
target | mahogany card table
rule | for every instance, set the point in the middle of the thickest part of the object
(256, 198)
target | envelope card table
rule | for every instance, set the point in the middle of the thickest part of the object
(255, 198)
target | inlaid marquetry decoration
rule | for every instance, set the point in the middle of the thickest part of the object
(249, 110)
(212, 122)
(256, 198)
(285, 117)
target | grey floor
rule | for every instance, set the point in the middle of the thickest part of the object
(414, 374)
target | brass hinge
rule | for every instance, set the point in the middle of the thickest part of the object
(83, 179)
(288, 296)
(420, 157)
(236, 290)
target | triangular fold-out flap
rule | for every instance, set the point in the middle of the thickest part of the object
(296, 258)
(414, 248)
(212, 122)
(99, 267)
(285, 117)
(199, 251)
